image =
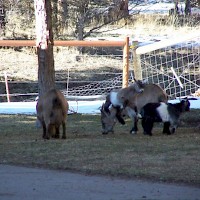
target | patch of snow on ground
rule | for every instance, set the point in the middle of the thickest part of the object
(82, 107)
(158, 8)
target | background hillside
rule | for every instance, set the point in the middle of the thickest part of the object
(147, 22)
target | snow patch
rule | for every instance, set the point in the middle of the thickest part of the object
(81, 107)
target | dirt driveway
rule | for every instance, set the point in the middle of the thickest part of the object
(20, 183)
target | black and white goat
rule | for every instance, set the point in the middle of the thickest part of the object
(167, 113)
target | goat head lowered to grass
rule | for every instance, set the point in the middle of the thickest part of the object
(129, 101)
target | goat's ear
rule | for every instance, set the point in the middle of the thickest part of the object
(135, 79)
(182, 101)
(138, 86)
(102, 108)
(184, 98)
(103, 112)
(140, 83)
(187, 101)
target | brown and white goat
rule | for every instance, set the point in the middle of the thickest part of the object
(52, 110)
(129, 101)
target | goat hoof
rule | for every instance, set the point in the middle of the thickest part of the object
(145, 133)
(167, 133)
(173, 130)
(133, 132)
(46, 137)
(64, 137)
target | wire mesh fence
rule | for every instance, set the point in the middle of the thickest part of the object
(176, 67)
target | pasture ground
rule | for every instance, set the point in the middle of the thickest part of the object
(160, 158)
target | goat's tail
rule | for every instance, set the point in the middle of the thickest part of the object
(56, 102)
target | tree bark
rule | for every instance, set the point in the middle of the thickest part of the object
(62, 15)
(187, 7)
(44, 42)
(55, 14)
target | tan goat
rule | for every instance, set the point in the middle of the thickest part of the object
(52, 110)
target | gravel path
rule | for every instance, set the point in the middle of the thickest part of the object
(20, 183)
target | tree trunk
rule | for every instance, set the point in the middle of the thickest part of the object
(187, 7)
(55, 15)
(80, 28)
(176, 9)
(46, 72)
(62, 15)
(80, 32)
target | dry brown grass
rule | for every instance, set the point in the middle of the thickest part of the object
(19, 64)
(22, 64)
(172, 158)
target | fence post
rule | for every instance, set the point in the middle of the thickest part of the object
(136, 62)
(125, 63)
(7, 89)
